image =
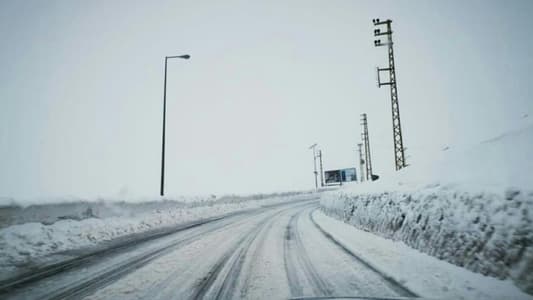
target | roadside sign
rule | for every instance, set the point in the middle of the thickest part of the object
(339, 176)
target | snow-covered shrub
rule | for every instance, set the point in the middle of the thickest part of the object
(487, 233)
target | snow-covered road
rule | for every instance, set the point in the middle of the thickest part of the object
(271, 253)
(282, 251)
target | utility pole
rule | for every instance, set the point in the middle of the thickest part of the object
(321, 168)
(361, 161)
(366, 143)
(314, 164)
(396, 125)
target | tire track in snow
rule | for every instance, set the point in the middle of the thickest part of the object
(290, 268)
(258, 248)
(296, 258)
(84, 260)
(391, 282)
(230, 281)
(88, 258)
(161, 290)
(231, 264)
(106, 275)
(112, 274)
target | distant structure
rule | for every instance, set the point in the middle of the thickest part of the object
(396, 126)
(314, 164)
(361, 161)
(321, 168)
(366, 143)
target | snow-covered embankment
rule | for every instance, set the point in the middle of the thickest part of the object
(472, 208)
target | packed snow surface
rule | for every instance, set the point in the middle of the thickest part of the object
(286, 251)
(471, 207)
(56, 228)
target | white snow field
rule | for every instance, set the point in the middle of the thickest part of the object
(472, 207)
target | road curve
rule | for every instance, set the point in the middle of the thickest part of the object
(276, 252)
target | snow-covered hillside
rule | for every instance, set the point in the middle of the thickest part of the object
(471, 207)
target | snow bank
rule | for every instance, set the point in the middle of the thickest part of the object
(51, 210)
(423, 274)
(472, 208)
(102, 221)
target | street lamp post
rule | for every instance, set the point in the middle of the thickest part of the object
(162, 191)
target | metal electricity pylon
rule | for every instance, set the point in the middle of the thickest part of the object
(321, 168)
(366, 144)
(396, 125)
(314, 164)
(361, 161)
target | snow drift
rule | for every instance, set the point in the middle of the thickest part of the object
(41, 234)
(472, 208)
(50, 210)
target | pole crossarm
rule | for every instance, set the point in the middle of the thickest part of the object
(378, 70)
(379, 22)
(377, 32)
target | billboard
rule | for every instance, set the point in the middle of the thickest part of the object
(339, 176)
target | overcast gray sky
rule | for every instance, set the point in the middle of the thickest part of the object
(81, 89)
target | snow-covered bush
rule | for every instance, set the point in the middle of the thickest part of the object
(486, 233)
